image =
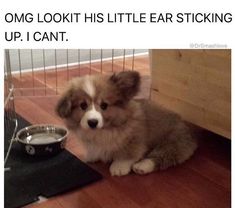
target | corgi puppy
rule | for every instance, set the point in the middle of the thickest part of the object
(132, 134)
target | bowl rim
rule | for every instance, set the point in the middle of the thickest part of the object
(42, 125)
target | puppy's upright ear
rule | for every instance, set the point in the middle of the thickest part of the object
(64, 106)
(127, 83)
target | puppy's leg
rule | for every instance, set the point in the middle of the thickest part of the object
(144, 166)
(124, 160)
(120, 167)
(173, 150)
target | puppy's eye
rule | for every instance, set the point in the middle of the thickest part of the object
(104, 105)
(83, 105)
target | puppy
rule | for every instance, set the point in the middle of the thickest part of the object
(133, 134)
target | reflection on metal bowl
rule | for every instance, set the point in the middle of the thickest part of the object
(43, 139)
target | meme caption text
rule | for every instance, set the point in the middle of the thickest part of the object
(100, 18)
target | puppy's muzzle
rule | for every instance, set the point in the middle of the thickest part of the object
(92, 123)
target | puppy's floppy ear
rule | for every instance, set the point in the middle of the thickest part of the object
(64, 106)
(127, 83)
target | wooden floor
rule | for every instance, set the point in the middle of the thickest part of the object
(201, 182)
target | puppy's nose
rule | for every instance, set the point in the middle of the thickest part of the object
(92, 123)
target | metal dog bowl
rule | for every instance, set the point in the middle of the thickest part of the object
(42, 139)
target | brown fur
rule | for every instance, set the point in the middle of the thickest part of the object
(137, 134)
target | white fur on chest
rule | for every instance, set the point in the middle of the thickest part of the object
(101, 145)
(97, 153)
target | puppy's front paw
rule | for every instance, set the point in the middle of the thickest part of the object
(120, 167)
(144, 166)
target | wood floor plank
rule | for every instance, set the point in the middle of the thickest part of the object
(29, 110)
(215, 173)
(108, 196)
(191, 187)
(79, 199)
